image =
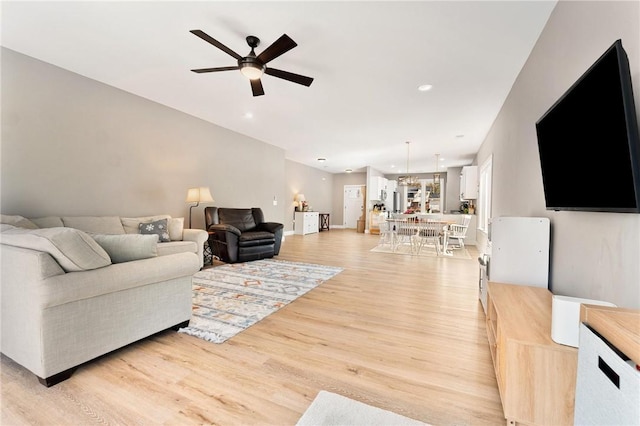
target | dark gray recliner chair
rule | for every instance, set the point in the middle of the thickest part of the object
(241, 235)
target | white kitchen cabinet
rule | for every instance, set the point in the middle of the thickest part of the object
(377, 185)
(469, 183)
(306, 223)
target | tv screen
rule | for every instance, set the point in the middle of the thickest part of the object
(588, 141)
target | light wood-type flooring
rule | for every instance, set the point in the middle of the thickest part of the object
(402, 333)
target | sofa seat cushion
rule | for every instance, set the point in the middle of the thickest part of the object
(177, 247)
(68, 288)
(257, 238)
(95, 224)
(128, 247)
(73, 249)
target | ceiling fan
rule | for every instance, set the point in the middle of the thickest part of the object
(252, 66)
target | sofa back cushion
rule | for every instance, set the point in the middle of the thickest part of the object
(18, 221)
(95, 224)
(240, 218)
(48, 222)
(73, 249)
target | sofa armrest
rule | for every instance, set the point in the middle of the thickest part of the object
(198, 236)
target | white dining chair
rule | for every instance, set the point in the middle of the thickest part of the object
(458, 232)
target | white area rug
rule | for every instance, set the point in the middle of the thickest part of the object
(333, 409)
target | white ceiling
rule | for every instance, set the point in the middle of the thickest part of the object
(367, 59)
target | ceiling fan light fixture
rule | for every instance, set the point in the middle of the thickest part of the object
(252, 71)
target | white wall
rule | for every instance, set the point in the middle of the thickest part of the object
(593, 255)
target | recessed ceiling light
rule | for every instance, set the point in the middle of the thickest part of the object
(425, 87)
(248, 115)
(322, 160)
(348, 170)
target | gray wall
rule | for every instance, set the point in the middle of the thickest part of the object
(316, 185)
(593, 255)
(339, 182)
(74, 146)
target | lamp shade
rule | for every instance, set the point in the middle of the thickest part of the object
(300, 197)
(199, 195)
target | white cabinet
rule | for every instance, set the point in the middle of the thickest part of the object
(306, 223)
(469, 183)
(377, 185)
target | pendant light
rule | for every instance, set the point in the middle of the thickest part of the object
(408, 180)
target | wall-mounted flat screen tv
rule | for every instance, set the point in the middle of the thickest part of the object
(589, 141)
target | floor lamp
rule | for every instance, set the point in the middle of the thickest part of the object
(198, 195)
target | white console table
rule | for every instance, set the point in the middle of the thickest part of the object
(306, 223)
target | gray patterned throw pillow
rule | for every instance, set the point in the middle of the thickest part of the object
(158, 227)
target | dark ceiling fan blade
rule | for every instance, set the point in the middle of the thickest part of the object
(256, 87)
(296, 78)
(201, 70)
(277, 48)
(215, 42)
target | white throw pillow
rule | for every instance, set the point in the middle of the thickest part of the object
(18, 221)
(176, 226)
(128, 247)
(73, 249)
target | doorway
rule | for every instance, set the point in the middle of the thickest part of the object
(353, 205)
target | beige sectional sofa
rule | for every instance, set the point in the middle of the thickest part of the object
(75, 288)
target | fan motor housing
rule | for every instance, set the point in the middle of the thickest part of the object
(251, 62)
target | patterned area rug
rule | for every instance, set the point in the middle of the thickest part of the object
(230, 298)
(427, 251)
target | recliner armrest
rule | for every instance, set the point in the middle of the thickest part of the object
(225, 228)
(270, 226)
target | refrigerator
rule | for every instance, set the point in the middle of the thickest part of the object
(517, 253)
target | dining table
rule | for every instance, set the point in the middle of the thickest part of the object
(414, 231)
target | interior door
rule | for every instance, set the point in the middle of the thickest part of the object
(353, 205)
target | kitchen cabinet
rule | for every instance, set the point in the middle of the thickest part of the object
(469, 183)
(375, 219)
(377, 185)
(306, 223)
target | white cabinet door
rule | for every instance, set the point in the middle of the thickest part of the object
(469, 183)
